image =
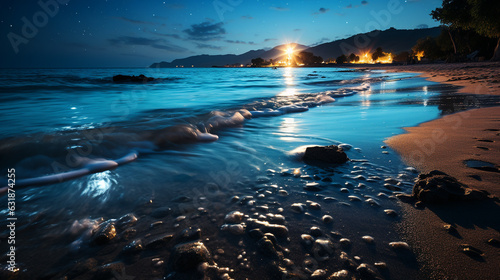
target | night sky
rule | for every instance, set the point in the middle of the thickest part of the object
(127, 33)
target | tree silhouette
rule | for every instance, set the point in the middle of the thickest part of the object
(257, 62)
(378, 53)
(481, 16)
(353, 58)
(341, 59)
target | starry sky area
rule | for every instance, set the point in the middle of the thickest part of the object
(130, 33)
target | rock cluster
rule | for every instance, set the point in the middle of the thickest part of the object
(438, 187)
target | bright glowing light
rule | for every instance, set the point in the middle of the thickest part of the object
(419, 55)
(289, 51)
(366, 58)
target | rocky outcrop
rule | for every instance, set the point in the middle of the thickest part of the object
(327, 154)
(438, 187)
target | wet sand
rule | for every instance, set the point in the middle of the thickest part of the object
(447, 144)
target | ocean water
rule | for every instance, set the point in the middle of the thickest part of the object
(177, 151)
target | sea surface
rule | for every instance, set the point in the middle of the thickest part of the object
(181, 152)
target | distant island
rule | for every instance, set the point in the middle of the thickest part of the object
(392, 41)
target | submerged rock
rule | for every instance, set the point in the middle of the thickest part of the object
(188, 256)
(234, 217)
(328, 154)
(104, 233)
(438, 187)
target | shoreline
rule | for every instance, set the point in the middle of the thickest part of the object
(446, 144)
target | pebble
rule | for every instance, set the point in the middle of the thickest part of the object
(187, 256)
(385, 152)
(450, 229)
(318, 274)
(391, 180)
(256, 233)
(354, 198)
(283, 193)
(400, 245)
(127, 220)
(327, 219)
(133, 247)
(368, 239)
(380, 265)
(494, 242)
(180, 218)
(314, 205)
(313, 187)
(307, 239)
(159, 242)
(236, 229)
(104, 233)
(372, 202)
(329, 199)
(359, 177)
(344, 190)
(345, 242)
(298, 207)
(278, 230)
(341, 274)
(390, 212)
(315, 231)
(366, 271)
(361, 186)
(156, 224)
(306, 177)
(266, 246)
(345, 147)
(471, 251)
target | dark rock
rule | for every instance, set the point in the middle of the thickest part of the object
(127, 220)
(132, 79)
(328, 154)
(315, 231)
(438, 187)
(322, 249)
(190, 234)
(188, 256)
(472, 251)
(109, 270)
(104, 233)
(256, 233)
(266, 246)
(494, 242)
(278, 230)
(133, 247)
(366, 271)
(159, 242)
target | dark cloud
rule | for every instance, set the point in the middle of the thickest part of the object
(175, 36)
(208, 46)
(206, 31)
(270, 39)
(280, 9)
(422, 26)
(321, 41)
(141, 41)
(246, 17)
(235, 42)
(364, 3)
(321, 11)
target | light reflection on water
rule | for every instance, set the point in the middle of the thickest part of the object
(99, 185)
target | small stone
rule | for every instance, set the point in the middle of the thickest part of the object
(354, 198)
(234, 199)
(383, 147)
(385, 152)
(471, 251)
(327, 219)
(390, 212)
(104, 233)
(329, 199)
(180, 218)
(266, 246)
(494, 242)
(316, 231)
(344, 190)
(314, 205)
(313, 187)
(380, 265)
(400, 245)
(450, 229)
(368, 239)
(156, 224)
(341, 275)
(345, 242)
(234, 217)
(372, 202)
(134, 247)
(236, 229)
(307, 239)
(256, 233)
(318, 274)
(187, 256)
(298, 207)
(278, 230)
(366, 271)
(262, 208)
(127, 220)
(283, 193)
(159, 242)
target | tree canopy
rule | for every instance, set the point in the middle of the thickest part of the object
(482, 16)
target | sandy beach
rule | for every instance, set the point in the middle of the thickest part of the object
(448, 144)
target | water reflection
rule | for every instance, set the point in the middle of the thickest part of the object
(289, 127)
(99, 185)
